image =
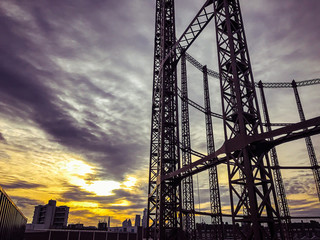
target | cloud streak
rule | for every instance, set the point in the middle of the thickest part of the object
(76, 82)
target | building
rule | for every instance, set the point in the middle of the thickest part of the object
(137, 221)
(103, 225)
(144, 219)
(12, 220)
(127, 223)
(49, 216)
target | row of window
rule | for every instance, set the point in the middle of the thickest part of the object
(12, 221)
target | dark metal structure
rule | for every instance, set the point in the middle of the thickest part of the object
(258, 204)
(187, 183)
(310, 148)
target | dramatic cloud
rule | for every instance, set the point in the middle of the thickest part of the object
(75, 96)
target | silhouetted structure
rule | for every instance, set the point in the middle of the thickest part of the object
(12, 220)
(67, 234)
(103, 225)
(299, 230)
(137, 221)
(258, 205)
(127, 223)
(49, 216)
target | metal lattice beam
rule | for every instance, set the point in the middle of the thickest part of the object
(164, 200)
(187, 183)
(199, 22)
(289, 85)
(310, 148)
(215, 203)
(154, 167)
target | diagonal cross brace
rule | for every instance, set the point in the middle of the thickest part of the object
(292, 132)
(200, 21)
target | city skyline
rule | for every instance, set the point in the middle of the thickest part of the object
(76, 86)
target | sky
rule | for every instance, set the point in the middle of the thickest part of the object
(76, 89)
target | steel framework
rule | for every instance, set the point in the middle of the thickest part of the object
(259, 208)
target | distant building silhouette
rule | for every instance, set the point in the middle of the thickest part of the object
(127, 223)
(144, 219)
(75, 226)
(49, 216)
(103, 225)
(12, 220)
(137, 221)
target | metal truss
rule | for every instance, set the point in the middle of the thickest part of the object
(154, 167)
(253, 200)
(197, 106)
(259, 142)
(199, 66)
(215, 203)
(310, 148)
(164, 200)
(250, 178)
(187, 183)
(200, 21)
(289, 85)
(215, 74)
(279, 186)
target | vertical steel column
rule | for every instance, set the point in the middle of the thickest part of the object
(279, 186)
(168, 198)
(247, 167)
(187, 183)
(215, 203)
(154, 167)
(310, 148)
(164, 195)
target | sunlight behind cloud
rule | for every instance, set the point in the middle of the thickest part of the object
(102, 188)
(83, 204)
(80, 170)
(79, 167)
(121, 203)
(130, 182)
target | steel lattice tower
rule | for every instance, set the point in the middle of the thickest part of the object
(250, 178)
(164, 195)
(256, 210)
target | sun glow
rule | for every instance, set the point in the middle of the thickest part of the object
(102, 188)
(83, 205)
(77, 167)
(121, 203)
(80, 171)
(130, 182)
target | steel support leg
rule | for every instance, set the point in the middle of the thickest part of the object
(215, 203)
(310, 148)
(187, 183)
(279, 186)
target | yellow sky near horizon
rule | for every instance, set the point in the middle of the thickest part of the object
(47, 171)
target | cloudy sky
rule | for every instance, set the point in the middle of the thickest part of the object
(75, 98)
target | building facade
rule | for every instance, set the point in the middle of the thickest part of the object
(12, 220)
(50, 216)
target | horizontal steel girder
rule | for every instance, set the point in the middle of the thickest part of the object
(292, 132)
